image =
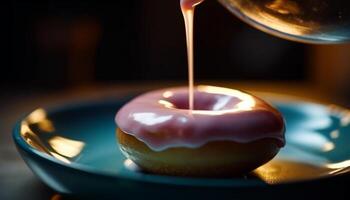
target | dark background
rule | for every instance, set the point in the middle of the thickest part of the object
(57, 44)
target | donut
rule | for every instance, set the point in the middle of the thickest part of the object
(228, 133)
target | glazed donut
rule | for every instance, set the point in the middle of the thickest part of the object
(228, 132)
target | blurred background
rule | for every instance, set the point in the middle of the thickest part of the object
(62, 44)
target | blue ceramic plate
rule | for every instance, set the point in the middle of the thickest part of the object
(73, 149)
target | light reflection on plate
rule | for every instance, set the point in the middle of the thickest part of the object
(82, 137)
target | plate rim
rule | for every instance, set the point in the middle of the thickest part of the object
(155, 179)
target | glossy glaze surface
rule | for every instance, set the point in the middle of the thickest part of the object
(72, 149)
(161, 119)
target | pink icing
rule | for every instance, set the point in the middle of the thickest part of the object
(161, 119)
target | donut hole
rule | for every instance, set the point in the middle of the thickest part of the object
(198, 104)
(203, 101)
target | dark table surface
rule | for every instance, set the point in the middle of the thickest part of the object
(16, 179)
